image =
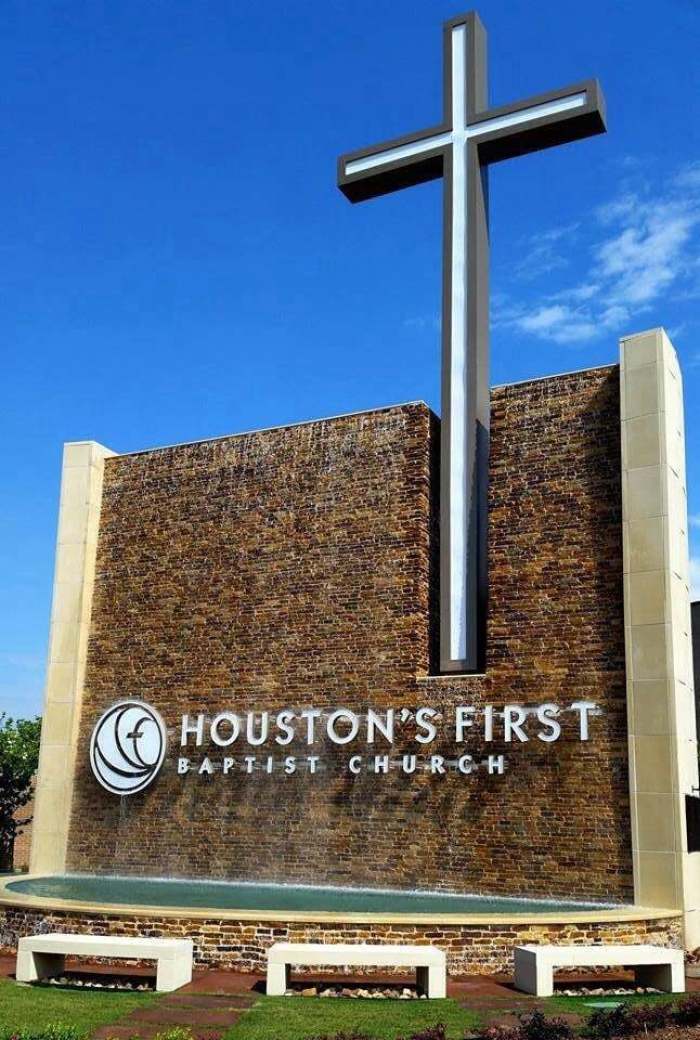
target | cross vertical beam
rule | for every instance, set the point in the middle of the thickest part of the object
(460, 150)
(465, 378)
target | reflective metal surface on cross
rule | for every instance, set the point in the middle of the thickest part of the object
(460, 149)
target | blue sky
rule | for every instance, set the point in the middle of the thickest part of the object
(176, 262)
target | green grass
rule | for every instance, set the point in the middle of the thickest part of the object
(299, 1018)
(579, 1005)
(32, 1007)
(295, 1018)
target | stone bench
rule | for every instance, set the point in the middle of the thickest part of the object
(40, 956)
(653, 965)
(430, 963)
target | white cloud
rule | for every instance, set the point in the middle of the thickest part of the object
(645, 256)
(619, 208)
(557, 322)
(676, 331)
(688, 176)
(544, 254)
(579, 293)
(643, 245)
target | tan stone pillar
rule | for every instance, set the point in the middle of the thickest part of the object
(78, 523)
(660, 695)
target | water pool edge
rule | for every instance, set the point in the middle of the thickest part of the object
(624, 913)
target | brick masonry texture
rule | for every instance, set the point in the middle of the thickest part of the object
(242, 945)
(23, 841)
(297, 567)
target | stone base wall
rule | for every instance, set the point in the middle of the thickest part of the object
(472, 949)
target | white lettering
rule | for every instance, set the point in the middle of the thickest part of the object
(384, 726)
(546, 714)
(584, 708)
(251, 738)
(342, 726)
(188, 729)
(283, 722)
(310, 714)
(513, 718)
(464, 718)
(488, 722)
(423, 716)
(346, 716)
(233, 721)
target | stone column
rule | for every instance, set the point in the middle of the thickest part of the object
(660, 695)
(78, 523)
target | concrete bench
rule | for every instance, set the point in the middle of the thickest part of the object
(653, 965)
(40, 956)
(429, 962)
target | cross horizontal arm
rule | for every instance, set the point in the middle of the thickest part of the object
(539, 122)
(399, 163)
(526, 126)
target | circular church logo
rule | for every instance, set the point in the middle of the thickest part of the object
(128, 747)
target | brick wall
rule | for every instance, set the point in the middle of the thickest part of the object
(297, 568)
(23, 841)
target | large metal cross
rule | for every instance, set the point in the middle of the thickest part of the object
(459, 150)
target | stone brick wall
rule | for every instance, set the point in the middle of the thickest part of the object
(297, 568)
(23, 841)
(473, 949)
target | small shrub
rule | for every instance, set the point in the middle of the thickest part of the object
(54, 1032)
(688, 1011)
(604, 1024)
(431, 1033)
(534, 1026)
(175, 1033)
(182, 1033)
(645, 1018)
(537, 1026)
(627, 1020)
(501, 1033)
(343, 1036)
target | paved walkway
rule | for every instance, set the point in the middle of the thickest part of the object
(205, 1014)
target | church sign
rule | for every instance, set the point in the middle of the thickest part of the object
(128, 743)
